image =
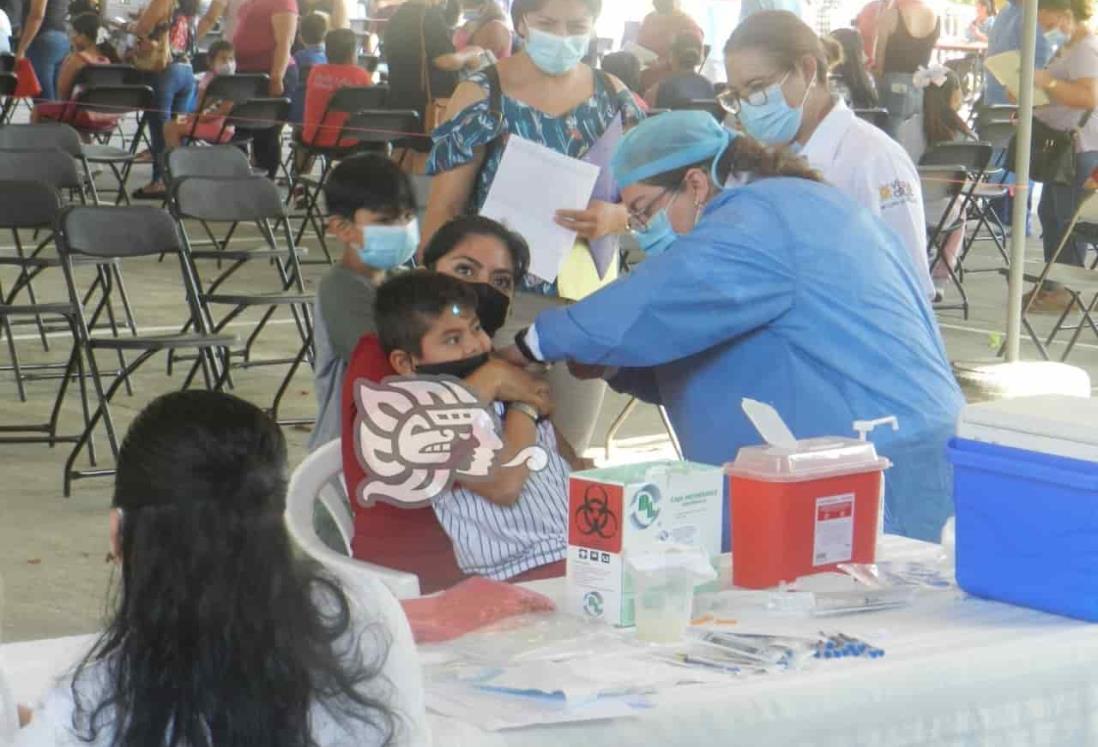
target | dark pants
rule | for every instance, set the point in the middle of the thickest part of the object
(267, 143)
(1058, 205)
(174, 89)
(46, 53)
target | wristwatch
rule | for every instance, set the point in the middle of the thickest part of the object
(527, 410)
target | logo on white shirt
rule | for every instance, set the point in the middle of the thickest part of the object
(896, 192)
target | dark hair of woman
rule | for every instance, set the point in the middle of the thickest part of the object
(686, 51)
(221, 635)
(781, 36)
(941, 122)
(625, 67)
(745, 156)
(850, 70)
(447, 238)
(521, 8)
(989, 5)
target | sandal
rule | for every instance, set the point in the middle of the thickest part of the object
(149, 192)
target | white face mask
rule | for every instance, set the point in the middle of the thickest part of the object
(226, 68)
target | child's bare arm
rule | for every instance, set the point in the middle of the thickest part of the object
(505, 485)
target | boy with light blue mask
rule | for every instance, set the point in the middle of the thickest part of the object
(372, 209)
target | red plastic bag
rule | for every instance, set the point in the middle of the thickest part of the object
(471, 604)
(28, 86)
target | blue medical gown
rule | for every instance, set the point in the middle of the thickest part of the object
(789, 293)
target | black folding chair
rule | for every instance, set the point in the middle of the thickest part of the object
(8, 84)
(92, 76)
(114, 100)
(877, 117)
(985, 115)
(1077, 281)
(977, 159)
(118, 233)
(229, 88)
(231, 201)
(705, 105)
(943, 188)
(7, 62)
(342, 106)
(50, 136)
(219, 161)
(253, 115)
(33, 206)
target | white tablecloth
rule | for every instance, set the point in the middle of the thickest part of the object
(958, 671)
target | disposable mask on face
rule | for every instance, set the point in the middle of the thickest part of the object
(775, 122)
(458, 369)
(492, 307)
(1056, 38)
(657, 236)
(556, 55)
(386, 247)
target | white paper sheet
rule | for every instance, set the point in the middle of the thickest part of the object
(495, 712)
(532, 183)
(1007, 69)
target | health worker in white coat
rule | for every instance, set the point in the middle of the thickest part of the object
(777, 88)
(781, 289)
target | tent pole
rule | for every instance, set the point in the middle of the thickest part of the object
(1021, 180)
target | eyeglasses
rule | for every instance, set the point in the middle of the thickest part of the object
(732, 101)
(638, 219)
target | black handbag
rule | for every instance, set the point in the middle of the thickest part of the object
(1051, 152)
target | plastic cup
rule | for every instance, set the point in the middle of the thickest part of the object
(663, 601)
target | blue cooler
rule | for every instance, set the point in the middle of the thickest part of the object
(1026, 496)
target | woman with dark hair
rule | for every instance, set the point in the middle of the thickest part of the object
(684, 84)
(43, 40)
(222, 635)
(176, 24)
(977, 31)
(780, 289)
(483, 252)
(549, 96)
(777, 87)
(907, 33)
(849, 76)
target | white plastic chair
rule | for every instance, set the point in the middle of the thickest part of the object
(320, 478)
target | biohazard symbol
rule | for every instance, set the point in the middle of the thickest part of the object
(594, 515)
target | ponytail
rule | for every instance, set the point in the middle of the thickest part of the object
(745, 155)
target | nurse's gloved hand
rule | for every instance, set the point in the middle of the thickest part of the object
(598, 220)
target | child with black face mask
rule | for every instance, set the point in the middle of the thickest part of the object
(512, 525)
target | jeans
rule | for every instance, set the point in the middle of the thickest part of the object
(1057, 206)
(174, 90)
(46, 53)
(267, 143)
(902, 100)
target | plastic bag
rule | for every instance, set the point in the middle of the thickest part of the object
(27, 86)
(471, 604)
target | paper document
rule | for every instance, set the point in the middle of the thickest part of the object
(1007, 69)
(532, 183)
(496, 712)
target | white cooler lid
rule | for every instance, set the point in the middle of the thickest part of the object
(1050, 423)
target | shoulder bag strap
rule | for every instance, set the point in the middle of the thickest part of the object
(495, 106)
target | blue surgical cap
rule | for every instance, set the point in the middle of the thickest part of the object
(669, 141)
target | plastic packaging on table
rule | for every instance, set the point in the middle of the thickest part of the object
(664, 576)
(471, 604)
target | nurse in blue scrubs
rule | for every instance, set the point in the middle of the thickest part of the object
(782, 290)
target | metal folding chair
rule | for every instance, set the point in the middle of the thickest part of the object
(7, 62)
(337, 119)
(31, 205)
(47, 136)
(877, 117)
(705, 105)
(117, 100)
(231, 201)
(1078, 281)
(116, 233)
(943, 189)
(8, 84)
(976, 158)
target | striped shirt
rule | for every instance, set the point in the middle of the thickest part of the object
(503, 541)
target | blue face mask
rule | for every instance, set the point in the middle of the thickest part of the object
(1056, 38)
(658, 234)
(386, 247)
(775, 122)
(556, 55)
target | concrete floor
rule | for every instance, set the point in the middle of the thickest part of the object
(52, 549)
